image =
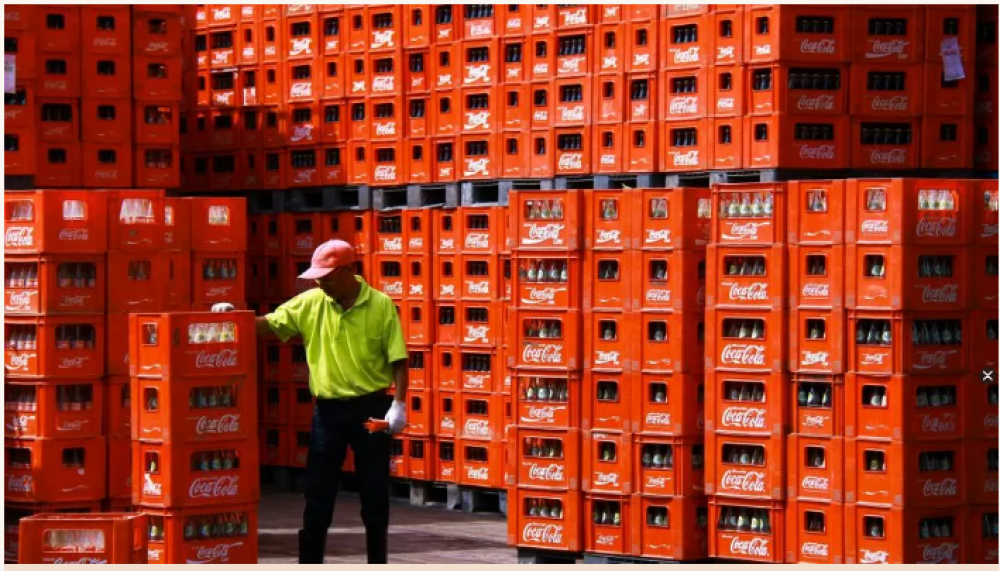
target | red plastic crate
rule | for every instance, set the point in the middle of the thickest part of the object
(815, 532)
(670, 405)
(686, 41)
(115, 538)
(902, 211)
(818, 406)
(806, 90)
(169, 545)
(559, 410)
(748, 467)
(52, 409)
(746, 276)
(876, 534)
(549, 460)
(118, 409)
(816, 142)
(984, 545)
(876, 274)
(670, 342)
(873, 147)
(669, 528)
(48, 470)
(55, 346)
(816, 340)
(480, 464)
(728, 539)
(899, 407)
(53, 284)
(680, 471)
(881, 89)
(224, 352)
(685, 145)
(215, 410)
(900, 355)
(982, 478)
(527, 527)
(780, 33)
(161, 469)
(607, 524)
(746, 403)
(893, 474)
(816, 468)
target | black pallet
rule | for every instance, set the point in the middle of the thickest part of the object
(328, 198)
(603, 559)
(476, 499)
(527, 556)
(266, 202)
(427, 195)
(611, 181)
(497, 192)
(422, 493)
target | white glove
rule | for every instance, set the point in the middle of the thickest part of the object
(396, 417)
(223, 307)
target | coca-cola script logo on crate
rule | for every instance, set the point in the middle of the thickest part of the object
(225, 424)
(743, 231)
(815, 549)
(868, 556)
(480, 474)
(743, 354)
(819, 47)
(546, 472)
(19, 301)
(222, 359)
(946, 487)
(218, 487)
(937, 227)
(542, 533)
(883, 48)
(540, 414)
(745, 417)
(754, 547)
(747, 481)
(540, 233)
(19, 237)
(210, 553)
(542, 354)
(815, 483)
(20, 484)
(944, 553)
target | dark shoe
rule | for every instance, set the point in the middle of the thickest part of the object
(378, 546)
(312, 545)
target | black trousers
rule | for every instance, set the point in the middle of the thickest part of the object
(336, 425)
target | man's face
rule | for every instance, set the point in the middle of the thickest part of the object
(336, 282)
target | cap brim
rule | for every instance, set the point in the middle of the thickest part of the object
(315, 273)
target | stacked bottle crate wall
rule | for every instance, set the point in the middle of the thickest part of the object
(545, 329)
(96, 96)
(746, 374)
(54, 301)
(985, 154)
(194, 415)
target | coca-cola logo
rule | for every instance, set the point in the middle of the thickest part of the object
(816, 290)
(542, 354)
(658, 295)
(756, 547)
(383, 83)
(813, 421)
(688, 159)
(578, 18)
(609, 62)
(571, 113)
(447, 244)
(944, 294)
(220, 551)
(815, 549)
(725, 104)
(875, 227)
(71, 425)
(874, 358)
(819, 47)
(815, 483)
(756, 291)
(474, 73)
(477, 427)
(541, 413)
(302, 132)
(881, 48)
(894, 156)
(744, 230)
(477, 166)
(749, 481)
(19, 300)
(743, 354)
(478, 288)
(943, 553)
(546, 473)
(380, 39)
(79, 561)
(20, 361)
(940, 227)
(874, 556)
(571, 64)
(447, 424)
(481, 29)
(19, 423)
(896, 103)
(481, 473)
(989, 230)
(475, 381)
(538, 233)
(74, 234)
(393, 288)
(654, 236)
(447, 290)
(218, 487)
(151, 488)
(385, 129)
(222, 57)
(726, 52)
(475, 241)
(385, 172)
(606, 236)
(945, 422)
(19, 484)
(392, 244)
(683, 105)
(656, 482)
(155, 47)
(933, 359)
(816, 103)
(543, 533)
(357, 86)
(606, 479)
(474, 120)
(690, 55)
(947, 487)
(301, 89)
(225, 424)
(225, 358)
(818, 152)
(477, 333)
(658, 418)
(745, 417)
(606, 357)
(19, 237)
(571, 161)
(249, 52)
(811, 358)
(72, 362)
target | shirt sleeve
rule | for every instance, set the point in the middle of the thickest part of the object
(284, 321)
(392, 335)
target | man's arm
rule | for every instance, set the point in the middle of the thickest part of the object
(402, 379)
(263, 328)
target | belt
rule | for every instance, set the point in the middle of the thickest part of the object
(381, 393)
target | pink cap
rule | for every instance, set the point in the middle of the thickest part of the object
(329, 256)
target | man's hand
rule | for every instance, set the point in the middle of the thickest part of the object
(396, 417)
(223, 307)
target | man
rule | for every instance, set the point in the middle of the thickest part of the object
(355, 350)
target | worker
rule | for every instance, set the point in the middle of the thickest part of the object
(355, 350)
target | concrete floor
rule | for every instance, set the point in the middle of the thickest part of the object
(416, 535)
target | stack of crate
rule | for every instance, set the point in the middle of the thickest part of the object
(82, 78)
(54, 448)
(816, 358)
(644, 296)
(981, 431)
(441, 75)
(746, 383)
(194, 412)
(907, 300)
(985, 154)
(416, 114)
(81, 538)
(546, 328)
(471, 400)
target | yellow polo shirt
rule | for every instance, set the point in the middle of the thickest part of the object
(350, 353)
